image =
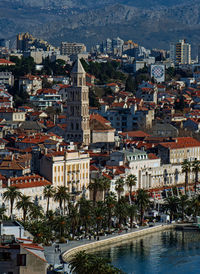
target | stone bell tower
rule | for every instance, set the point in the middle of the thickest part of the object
(78, 128)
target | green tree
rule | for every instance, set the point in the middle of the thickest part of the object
(25, 204)
(142, 202)
(2, 213)
(130, 84)
(83, 263)
(131, 181)
(61, 195)
(48, 193)
(196, 169)
(105, 186)
(121, 210)
(36, 212)
(110, 202)
(195, 206)
(119, 187)
(186, 167)
(73, 217)
(11, 194)
(99, 214)
(132, 212)
(85, 212)
(171, 205)
(95, 186)
(183, 203)
(60, 225)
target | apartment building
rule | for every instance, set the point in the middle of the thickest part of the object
(67, 168)
(179, 149)
(180, 52)
(68, 48)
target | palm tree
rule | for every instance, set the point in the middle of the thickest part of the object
(99, 213)
(83, 263)
(80, 263)
(61, 196)
(60, 225)
(132, 212)
(131, 181)
(48, 192)
(95, 186)
(196, 169)
(195, 206)
(171, 205)
(36, 212)
(105, 186)
(121, 210)
(85, 212)
(142, 202)
(186, 169)
(119, 187)
(2, 213)
(11, 194)
(73, 218)
(183, 202)
(25, 204)
(110, 202)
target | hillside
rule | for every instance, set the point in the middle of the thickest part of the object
(153, 25)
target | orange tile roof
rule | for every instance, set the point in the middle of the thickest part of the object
(6, 62)
(181, 142)
(152, 156)
(28, 181)
(137, 133)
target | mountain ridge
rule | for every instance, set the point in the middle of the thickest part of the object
(151, 26)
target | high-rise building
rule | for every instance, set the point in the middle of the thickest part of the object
(4, 43)
(68, 48)
(25, 41)
(78, 128)
(199, 54)
(180, 53)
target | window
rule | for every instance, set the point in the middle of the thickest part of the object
(55, 169)
(58, 169)
(62, 168)
(5, 256)
(21, 259)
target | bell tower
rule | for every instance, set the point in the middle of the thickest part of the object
(78, 129)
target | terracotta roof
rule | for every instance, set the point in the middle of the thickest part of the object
(28, 181)
(6, 62)
(137, 133)
(97, 122)
(181, 142)
(47, 91)
(152, 156)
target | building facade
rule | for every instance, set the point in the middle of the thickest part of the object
(180, 52)
(78, 127)
(68, 48)
(70, 169)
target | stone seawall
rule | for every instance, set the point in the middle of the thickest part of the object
(113, 240)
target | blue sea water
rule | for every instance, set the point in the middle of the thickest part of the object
(169, 252)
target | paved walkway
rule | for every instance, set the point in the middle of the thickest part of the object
(54, 257)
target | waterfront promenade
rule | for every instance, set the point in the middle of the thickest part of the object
(56, 257)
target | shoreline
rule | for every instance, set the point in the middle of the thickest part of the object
(66, 255)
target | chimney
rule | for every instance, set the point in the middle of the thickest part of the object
(9, 182)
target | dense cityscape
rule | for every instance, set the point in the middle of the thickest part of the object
(94, 144)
